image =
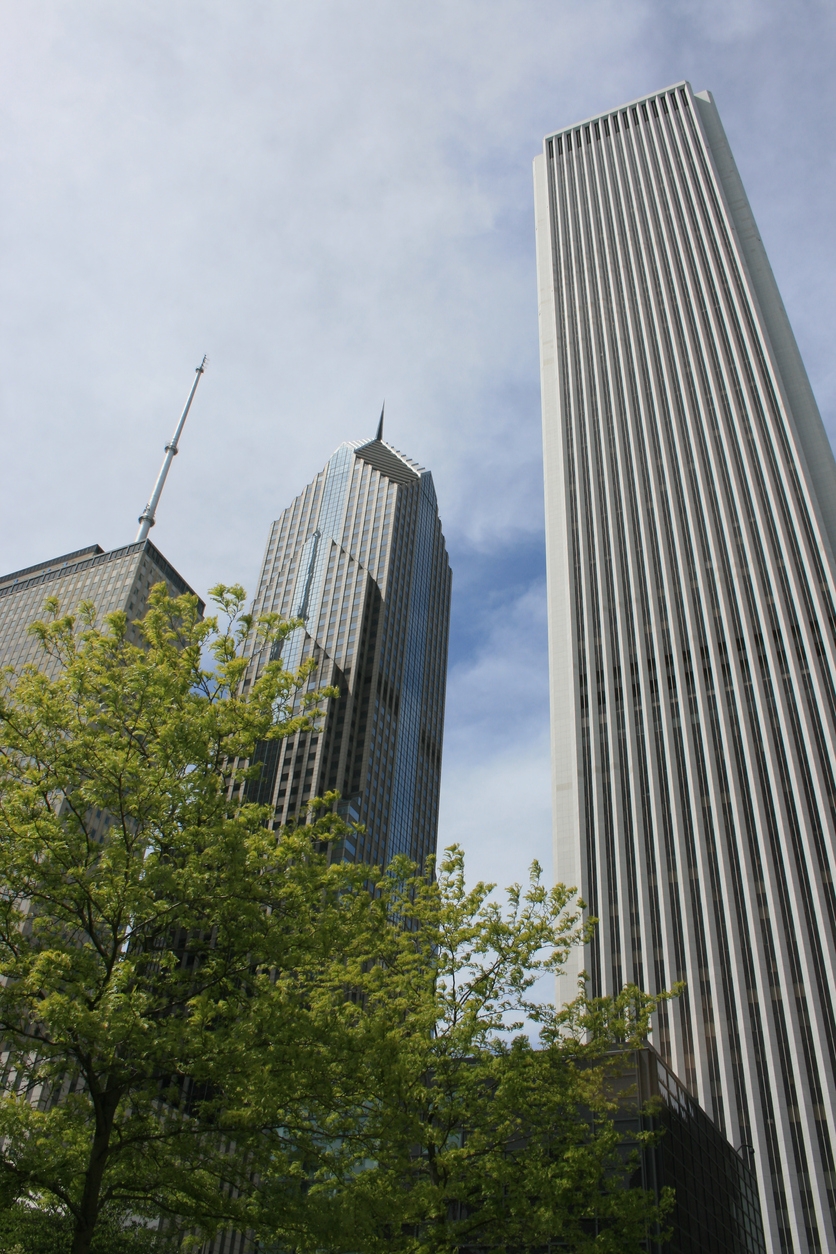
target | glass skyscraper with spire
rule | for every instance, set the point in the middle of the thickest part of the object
(360, 557)
(691, 533)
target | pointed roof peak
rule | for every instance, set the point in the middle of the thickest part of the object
(388, 460)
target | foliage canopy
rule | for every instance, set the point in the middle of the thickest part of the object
(207, 1023)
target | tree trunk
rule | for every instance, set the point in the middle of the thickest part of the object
(88, 1214)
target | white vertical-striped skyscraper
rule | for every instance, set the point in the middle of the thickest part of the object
(691, 516)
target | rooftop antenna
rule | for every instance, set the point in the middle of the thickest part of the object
(379, 435)
(147, 517)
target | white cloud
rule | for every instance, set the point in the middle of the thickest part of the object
(497, 807)
(334, 201)
(495, 793)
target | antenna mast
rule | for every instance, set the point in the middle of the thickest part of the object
(147, 517)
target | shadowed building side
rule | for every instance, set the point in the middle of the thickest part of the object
(717, 1208)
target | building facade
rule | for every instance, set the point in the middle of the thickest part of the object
(691, 530)
(717, 1208)
(360, 557)
(116, 580)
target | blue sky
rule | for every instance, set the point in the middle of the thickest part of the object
(333, 199)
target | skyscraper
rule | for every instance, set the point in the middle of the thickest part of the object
(119, 579)
(691, 516)
(360, 557)
(115, 580)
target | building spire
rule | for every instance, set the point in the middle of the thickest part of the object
(379, 435)
(147, 517)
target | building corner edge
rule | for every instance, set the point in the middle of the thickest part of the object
(562, 684)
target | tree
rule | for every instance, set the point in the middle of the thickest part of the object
(208, 1024)
(150, 925)
(476, 1134)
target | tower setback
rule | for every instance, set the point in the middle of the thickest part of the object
(691, 530)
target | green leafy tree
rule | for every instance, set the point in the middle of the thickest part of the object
(209, 1024)
(159, 945)
(475, 1134)
(48, 1229)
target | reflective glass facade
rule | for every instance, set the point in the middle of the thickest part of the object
(691, 530)
(360, 557)
(717, 1208)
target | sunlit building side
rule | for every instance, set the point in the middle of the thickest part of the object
(691, 530)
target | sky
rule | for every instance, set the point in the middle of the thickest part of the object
(333, 200)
